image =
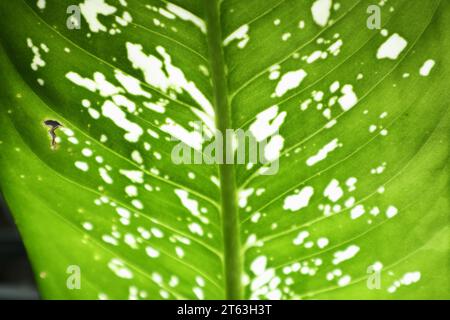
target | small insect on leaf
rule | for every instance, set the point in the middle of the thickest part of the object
(53, 124)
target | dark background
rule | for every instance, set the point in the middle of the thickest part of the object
(16, 277)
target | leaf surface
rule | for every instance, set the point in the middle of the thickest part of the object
(357, 120)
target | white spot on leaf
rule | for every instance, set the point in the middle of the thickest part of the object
(299, 200)
(392, 47)
(289, 81)
(321, 11)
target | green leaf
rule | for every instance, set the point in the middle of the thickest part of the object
(356, 118)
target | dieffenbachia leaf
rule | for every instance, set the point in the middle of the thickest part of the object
(356, 117)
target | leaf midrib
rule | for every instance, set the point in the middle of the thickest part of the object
(227, 174)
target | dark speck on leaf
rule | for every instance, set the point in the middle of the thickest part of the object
(53, 124)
